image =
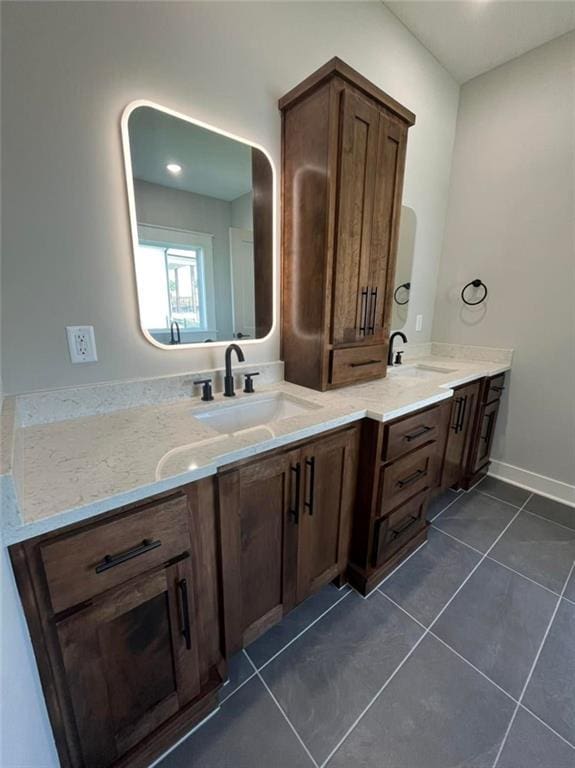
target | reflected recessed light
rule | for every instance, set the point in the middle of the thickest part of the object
(174, 168)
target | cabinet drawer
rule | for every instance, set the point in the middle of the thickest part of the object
(397, 528)
(83, 564)
(494, 388)
(407, 476)
(411, 432)
(357, 363)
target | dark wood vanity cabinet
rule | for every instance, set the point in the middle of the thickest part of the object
(344, 143)
(399, 467)
(462, 417)
(124, 618)
(483, 430)
(285, 523)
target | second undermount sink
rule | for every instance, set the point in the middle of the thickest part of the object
(259, 411)
(419, 371)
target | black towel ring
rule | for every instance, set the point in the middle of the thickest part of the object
(476, 284)
(407, 287)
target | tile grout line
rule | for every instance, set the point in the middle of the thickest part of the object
(503, 501)
(304, 630)
(532, 669)
(503, 565)
(516, 506)
(425, 633)
(241, 685)
(389, 575)
(553, 522)
(441, 511)
(549, 728)
(284, 714)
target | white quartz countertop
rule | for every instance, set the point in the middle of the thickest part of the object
(70, 470)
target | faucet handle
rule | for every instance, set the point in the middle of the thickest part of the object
(206, 389)
(398, 356)
(249, 384)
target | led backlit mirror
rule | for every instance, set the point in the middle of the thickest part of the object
(202, 210)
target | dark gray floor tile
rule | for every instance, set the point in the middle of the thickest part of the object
(497, 622)
(551, 690)
(570, 589)
(437, 712)
(476, 519)
(531, 745)
(538, 549)
(552, 510)
(439, 503)
(424, 584)
(325, 679)
(512, 494)
(295, 622)
(248, 731)
(239, 670)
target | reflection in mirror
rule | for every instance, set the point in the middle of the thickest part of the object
(403, 269)
(202, 204)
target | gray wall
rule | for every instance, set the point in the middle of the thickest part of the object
(187, 210)
(68, 71)
(511, 222)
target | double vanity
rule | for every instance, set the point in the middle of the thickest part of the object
(157, 527)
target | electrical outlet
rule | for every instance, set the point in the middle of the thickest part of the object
(419, 322)
(82, 343)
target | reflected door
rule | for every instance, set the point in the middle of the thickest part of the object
(243, 282)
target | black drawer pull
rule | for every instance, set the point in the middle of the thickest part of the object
(418, 433)
(497, 388)
(185, 617)
(309, 504)
(365, 362)
(412, 478)
(110, 561)
(402, 528)
(294, 511)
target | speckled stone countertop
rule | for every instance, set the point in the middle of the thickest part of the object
(54, 473)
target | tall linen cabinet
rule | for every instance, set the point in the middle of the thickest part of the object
(344, 143)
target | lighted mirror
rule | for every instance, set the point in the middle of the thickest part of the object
(201, 204)
(402, 288)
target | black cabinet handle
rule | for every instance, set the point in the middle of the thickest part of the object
(489, 428)
(365, 362)
(402, 528)
(458, 403)
(363, 310)
(110, 561)
(294, 510)
(497, 388)
(372, 311)
(309, 503)
(462, 414)
(418, 433)
(412, 478)
(185, 617)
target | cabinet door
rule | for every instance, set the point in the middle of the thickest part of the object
(485, 434)
(259, 514)
(359, 141)
(388, 185)
(131, 660)
(463, 413)
(330, 472)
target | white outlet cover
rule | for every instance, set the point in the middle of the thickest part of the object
(419, 322)
(82, 343)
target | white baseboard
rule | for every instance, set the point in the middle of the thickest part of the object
(531, 481)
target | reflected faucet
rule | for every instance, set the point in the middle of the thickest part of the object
(391, 340)
(175, 339)
(229, 378)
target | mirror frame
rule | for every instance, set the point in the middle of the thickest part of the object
(129, 178)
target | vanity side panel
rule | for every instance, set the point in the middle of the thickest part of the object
(306, 199)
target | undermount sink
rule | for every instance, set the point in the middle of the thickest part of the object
(419, 371)
(247, 413)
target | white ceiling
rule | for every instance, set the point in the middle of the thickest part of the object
(212, 164)
(470, 37)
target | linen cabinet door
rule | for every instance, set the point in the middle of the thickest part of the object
(485, 435)
(131, 660)
(359, 127)
(463, 414)
(329, 483)
(388, 186)
(259, 516)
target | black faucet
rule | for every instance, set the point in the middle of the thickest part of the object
(229, 378)
(391, 339)
(175, 339)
